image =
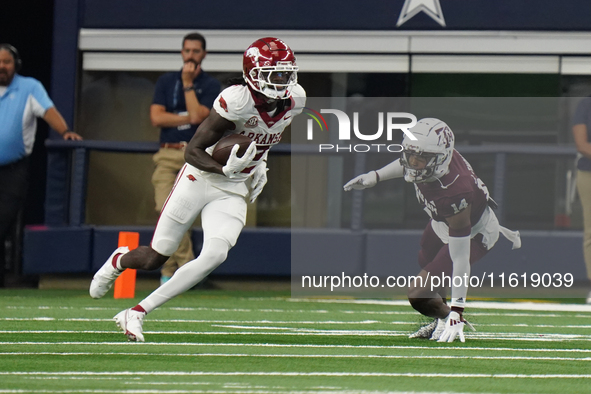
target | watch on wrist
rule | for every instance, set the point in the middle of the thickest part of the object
(188, 88)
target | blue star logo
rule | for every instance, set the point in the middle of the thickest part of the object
(413, 7)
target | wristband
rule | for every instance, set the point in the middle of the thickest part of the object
(457, 309)
(187, 89)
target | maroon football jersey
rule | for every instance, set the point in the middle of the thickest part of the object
(453, 192)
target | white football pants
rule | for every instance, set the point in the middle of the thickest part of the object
(223, 216)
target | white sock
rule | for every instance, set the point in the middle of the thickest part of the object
(118, 264)
(213, 253)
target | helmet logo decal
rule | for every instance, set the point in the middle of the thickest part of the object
(445, 136)
(254, 53)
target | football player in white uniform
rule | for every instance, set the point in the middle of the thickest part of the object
(260, 109)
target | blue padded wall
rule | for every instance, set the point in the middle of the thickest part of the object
(106, 239)
(57, 250)
(259, 252)
(327, 251)
(312, 252)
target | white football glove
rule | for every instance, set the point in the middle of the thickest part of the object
(454, 327)
(259, 180)
(236, 164)
(362, 181)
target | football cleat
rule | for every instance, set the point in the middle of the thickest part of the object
(130, 322)
(425, 331)
(105, 277)
(438, 330)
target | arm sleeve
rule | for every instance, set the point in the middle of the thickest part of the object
(459, 250)
(390, 171)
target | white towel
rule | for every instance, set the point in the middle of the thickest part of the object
(512, 236)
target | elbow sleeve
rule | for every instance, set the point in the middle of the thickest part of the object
(390, 171)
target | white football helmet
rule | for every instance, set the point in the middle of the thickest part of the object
(435, 143)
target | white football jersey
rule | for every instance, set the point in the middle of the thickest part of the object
(237, 105)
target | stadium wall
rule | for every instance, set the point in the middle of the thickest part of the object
(271, 252)
(551, 36)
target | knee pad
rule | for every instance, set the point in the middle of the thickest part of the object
(213, 254)
(165, 246)
(215, 249)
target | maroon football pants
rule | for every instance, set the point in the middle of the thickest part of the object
(434, 254)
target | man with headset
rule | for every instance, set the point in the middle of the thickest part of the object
(22, 101)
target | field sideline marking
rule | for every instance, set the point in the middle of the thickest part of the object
(271, 345)
(517, 336)
(368, 356)
(329, 374)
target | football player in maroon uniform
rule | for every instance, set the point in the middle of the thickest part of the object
(462, 229)
(259, 108)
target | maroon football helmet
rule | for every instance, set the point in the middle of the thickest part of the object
(269, 67)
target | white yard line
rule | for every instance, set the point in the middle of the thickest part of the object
(353, 356)
(214, 321)
(303, 345)
(313, 332)
(523, 306)
(327, 374)
(506, 306)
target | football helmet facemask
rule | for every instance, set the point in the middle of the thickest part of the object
(434, 146)
(269, 67)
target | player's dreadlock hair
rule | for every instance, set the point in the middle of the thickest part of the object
(235, 81)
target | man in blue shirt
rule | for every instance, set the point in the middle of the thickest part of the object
(22, 101)
(182, 100)
(582, 136)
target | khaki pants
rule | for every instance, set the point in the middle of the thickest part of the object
(584, 188)
(168, 163)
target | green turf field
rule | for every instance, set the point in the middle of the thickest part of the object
(62, 341)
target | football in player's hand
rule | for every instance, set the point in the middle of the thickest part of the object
(222, 150)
